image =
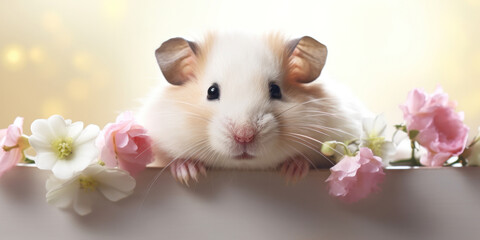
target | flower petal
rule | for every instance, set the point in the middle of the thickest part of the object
(87, 151)
(80, 160)
(9, 159)
(94, 169)
(126, 116)
(62, 169)
(353, 178)
(60, 193)
(45, 160)
(3, 133)
(83, 203)
(75, 129)
(41, 130)
(88, 134)
(14, 132)
(18, 122)
(379, 125)
(39, 144)
(115, 184)
(113, 194)
(121, 139)
(57, 126)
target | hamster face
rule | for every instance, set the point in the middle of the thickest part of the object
(244, 126)
(240, 109)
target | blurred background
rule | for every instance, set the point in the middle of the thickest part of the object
(89, 60)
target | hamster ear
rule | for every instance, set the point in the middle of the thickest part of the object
(306, 58)
(177, 60)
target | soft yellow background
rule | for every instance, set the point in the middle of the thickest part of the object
(90, 60)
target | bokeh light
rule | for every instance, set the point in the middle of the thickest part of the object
(51, 106)
(14, 57)
(36, 55)
(90, 60)
(78, 90)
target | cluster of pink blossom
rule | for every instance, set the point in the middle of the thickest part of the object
(125, 144)
(431, 122)
(440, 129)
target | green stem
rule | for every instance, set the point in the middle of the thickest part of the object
(462, 160)
(8, 148)
(345, 147)
(412, 161)
(412, 156)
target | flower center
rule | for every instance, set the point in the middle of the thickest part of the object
(375, 143)
(87, 183)
(63, 147)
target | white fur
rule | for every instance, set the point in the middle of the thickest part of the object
(243, 67)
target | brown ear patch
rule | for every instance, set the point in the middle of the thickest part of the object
(177, 60)
(306, 59)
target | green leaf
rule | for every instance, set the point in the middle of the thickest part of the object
(401, 127)
(29, 161)
(412, 134)
(406, 162)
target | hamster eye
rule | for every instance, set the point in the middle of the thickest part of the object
(275, 92)
(213, 92)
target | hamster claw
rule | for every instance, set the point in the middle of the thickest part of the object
(295, 169)
(183, 170)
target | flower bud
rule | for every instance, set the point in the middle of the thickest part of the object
(328, 148)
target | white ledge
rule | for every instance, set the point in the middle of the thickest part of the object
(425, 203)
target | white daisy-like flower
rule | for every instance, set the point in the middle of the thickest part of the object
(62, 146)
(373, 137)
(114, 184)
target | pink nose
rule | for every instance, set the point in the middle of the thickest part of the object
(244, 134)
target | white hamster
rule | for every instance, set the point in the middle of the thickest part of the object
(245, 102)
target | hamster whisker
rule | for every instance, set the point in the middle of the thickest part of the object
(155, 179)
(186, 103)
(304, 143)
(335, 131)
(197, 153)
(300, 114)
(209, 155)
(310, 138)
(300, 104)
(306, 127)
(188, 113)
(174, 159)
(303, 155)
(195, 160)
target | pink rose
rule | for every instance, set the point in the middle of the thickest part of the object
(354, 178)
(441, 129)
(11, 145)
(125, 144)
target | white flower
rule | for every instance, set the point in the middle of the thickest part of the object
(373, 137)
(473, 158)
(114, 184)
(63, 146)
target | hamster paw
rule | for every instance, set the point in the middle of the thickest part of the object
(183, 170)
(295, 169)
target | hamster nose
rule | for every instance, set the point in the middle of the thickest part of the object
(244, 134)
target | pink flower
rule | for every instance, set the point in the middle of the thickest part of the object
(354, 178)
(125, 144)
(441, 129)
(11, 145)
